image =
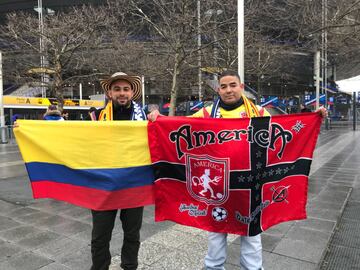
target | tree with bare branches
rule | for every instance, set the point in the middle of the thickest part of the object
(159, 39)
(64, 35)
(173, 25)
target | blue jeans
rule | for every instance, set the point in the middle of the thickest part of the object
(250, 252)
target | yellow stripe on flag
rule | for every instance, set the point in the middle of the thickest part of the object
(83, 144)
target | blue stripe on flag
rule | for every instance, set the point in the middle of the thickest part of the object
(104, 179)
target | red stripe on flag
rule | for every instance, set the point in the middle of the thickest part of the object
(239, 176)
(94, 198)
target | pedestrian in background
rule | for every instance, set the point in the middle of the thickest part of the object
(92, 114)
(304, 109)
(65, 115)
(52, 113)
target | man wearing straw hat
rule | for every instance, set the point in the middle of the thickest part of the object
(121, 90)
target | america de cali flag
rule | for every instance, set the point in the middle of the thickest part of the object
(238, 176)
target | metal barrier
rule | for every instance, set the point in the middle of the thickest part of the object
(327, 123)
(11, 132)
(7, 134)
(4, 134)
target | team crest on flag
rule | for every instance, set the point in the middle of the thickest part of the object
(207, 178)
(239, 176)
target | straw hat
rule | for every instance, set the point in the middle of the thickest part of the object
(135, 82)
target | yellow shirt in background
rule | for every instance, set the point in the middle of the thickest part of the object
(238, 112)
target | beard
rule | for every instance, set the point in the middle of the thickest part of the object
(121, 104)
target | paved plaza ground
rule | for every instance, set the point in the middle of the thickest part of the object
(52, 235)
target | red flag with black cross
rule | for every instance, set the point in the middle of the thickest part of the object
(238, 176)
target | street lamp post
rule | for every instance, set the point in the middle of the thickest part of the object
(41, 47)
(43, 62)
(317, 76)
(240, 7)
(324, 54)
(80, 91)
(354, 110)
(3, 128)
(199, 49)
(143, 91)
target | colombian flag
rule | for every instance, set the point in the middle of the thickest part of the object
(99, 165)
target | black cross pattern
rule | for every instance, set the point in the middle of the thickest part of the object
(252, 179)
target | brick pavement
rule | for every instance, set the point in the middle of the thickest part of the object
(52, 235)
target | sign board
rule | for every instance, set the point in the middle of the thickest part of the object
(44, 102)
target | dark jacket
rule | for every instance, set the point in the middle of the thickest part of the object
(119, 113)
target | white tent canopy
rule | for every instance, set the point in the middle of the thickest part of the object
(350, 85)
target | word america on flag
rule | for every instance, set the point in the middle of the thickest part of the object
(238, 176)
(98, 165)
